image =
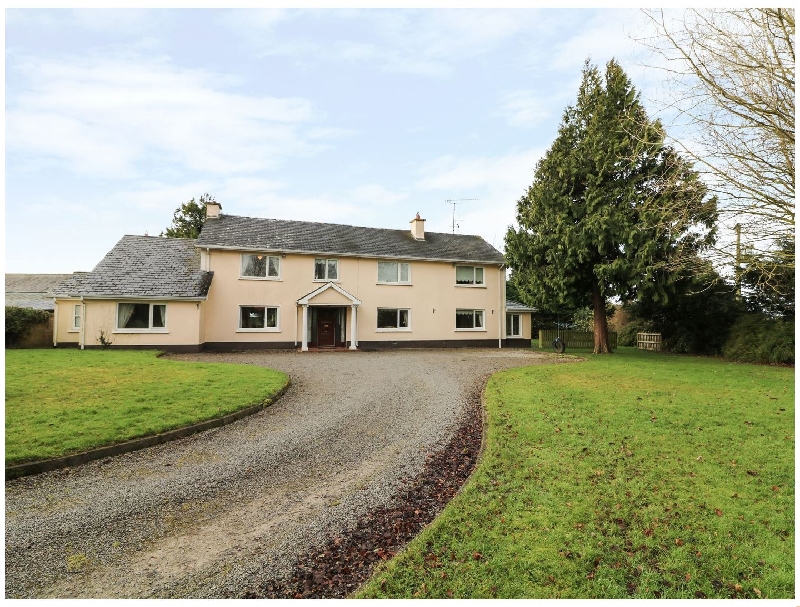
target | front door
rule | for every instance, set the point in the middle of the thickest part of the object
(326, 328)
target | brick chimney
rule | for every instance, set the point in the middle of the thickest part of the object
(213, 209)
(418, 228)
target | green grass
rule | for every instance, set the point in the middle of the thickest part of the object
(66, 401)
(637, 475)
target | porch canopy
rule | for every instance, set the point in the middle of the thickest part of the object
(330, 294)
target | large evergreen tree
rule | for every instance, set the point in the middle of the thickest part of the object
(612, 210)
(188, 219)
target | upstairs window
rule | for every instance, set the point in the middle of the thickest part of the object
(141, 317)
(394, 272)
(469, 275)
(326, 269)
(469, 320)
(261, 266)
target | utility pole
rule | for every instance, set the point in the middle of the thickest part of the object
(454, 202)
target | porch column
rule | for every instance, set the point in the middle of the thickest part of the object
(353, 320)
(304, 347)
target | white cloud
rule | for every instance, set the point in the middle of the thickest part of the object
(449, 173)
(496, 182)
(110, 116)
(120, 20)
(524, 108)
(420, 42)
(375, 194)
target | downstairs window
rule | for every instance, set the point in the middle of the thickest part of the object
(258, 318)
(469, 320)
(393, 319)
(141, 317)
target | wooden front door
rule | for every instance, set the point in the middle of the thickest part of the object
(326, 328)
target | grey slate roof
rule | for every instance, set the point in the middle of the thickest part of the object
(32, 290)
(278, 235)
(515, 306)
(144, 266)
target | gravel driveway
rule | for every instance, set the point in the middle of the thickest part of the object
(224, 511)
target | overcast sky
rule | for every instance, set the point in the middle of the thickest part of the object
(365, 117)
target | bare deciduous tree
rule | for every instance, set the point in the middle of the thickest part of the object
(731, 75)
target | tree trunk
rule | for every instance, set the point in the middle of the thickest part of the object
(600, 324)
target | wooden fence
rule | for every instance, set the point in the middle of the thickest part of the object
(573, 339)
(648, 341)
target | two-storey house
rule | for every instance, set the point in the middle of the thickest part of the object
(266, 283)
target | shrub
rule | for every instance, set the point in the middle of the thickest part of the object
(627, 334)
(758, 339)
(697, 315)
(19, 322)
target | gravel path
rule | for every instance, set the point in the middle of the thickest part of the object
(229, 510)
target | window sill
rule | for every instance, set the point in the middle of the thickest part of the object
(74, 331)
(401, 330)
(513, 336)
(478, 330)
(118, 331)
(268, 330)
(395, 284)
(326, 280)
(272, 278)
(471, 286)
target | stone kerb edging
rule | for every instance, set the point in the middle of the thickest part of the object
(68, 461)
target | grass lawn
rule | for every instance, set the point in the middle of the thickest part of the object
(66, 401)
(636, 475)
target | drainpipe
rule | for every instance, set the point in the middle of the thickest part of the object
(502, 316)
(55, 324)
(83, 323)
(304, 347)
(353, 333)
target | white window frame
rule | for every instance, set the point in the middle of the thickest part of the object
(510, 324)
(474, 311)
(326, 260)
(398, 328)
(77, 315)
(265, 329)
(244, 276)
(397, 265)
(150, 328)
(473, 284)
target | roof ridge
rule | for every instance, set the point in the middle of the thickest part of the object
(341, 225)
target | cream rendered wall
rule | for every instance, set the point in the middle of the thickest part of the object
(62, 319)
(432, 298)
(183, 324)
